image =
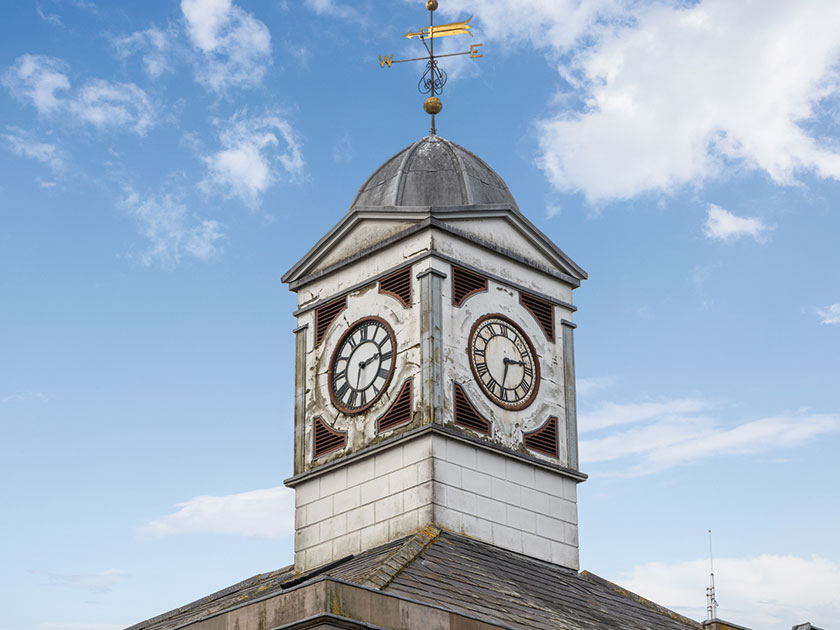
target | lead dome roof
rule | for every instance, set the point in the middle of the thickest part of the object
(434, 172)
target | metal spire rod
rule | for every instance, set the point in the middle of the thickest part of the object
(434, 78)
(711, 602)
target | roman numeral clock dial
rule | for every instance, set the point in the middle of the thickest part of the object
(362, 365)
(504, 362)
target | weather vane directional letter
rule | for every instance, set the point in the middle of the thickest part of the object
(434, 78)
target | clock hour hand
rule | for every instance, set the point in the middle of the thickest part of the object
(362, 365)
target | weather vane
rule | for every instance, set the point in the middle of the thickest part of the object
(434, 78)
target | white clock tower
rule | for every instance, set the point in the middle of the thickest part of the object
(434, 378)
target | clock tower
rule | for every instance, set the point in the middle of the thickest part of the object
(434, 374)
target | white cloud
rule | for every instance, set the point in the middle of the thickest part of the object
(679, 432)
(768, 592)
(830, 314)
(585, 387)
(107, 104)
(26, 397)
(234, 46)
(39, 79)
(267, 513)
(154, 44)
(94, 582)
(255, 152)
(342, 150)
(549, 24)
(173, 231)
(725, 226)
(677, 93)
(332, 8)
(612, 414)
(24, 145)
(102, 104)
(50, 18)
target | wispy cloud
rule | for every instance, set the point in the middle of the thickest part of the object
(829, 314)
(586, 387)
(50, 18)
(267, 513)
(234, 47)
(155, 45)
(332, 8)
(25, 397)
(95, 582)
(25, 145)
(769, 591)
(724, 226)
(256, 152)
(39, 79)
(679, 432)
(173, 232)
(103, 104)
(612, 414)
(342, 150)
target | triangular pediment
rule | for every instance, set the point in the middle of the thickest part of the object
(498, 228)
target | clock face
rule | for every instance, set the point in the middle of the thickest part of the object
(504, 362)
(362, 365)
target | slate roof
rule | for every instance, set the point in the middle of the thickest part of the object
(466, 576)
(434, 172)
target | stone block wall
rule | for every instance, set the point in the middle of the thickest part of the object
(431, 478)
(505, 501)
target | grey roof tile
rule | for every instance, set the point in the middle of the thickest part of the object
(465, 576)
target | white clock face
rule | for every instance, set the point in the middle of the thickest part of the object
(362, 365)
(504, 362)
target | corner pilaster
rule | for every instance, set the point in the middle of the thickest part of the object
(570, 394)
(300, 398)
(431, 333)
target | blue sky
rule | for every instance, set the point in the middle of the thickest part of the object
(163, 163)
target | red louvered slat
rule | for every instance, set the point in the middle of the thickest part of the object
(466, 415)
(544, 439)
(398, 284)
(465, 284)
(400, 410)
(326, 439)
(325, 315)
(542, 310)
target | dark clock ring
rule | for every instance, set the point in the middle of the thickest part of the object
(512, 406)
(336, 400)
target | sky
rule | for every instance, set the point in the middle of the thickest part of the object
(163, 163)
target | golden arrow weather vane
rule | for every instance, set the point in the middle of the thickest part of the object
(434, 78)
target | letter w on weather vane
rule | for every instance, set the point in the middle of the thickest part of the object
(434, 78)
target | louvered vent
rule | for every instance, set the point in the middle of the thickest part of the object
(466, 415)
(399, 285)
(544, 439)
(399, 412)
(325, 315)
(542, 310)
(466, 283)
(325, 438)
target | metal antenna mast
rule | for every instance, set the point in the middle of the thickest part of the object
(711, 602)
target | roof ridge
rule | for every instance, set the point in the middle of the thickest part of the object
(402, 557)
(639, 599)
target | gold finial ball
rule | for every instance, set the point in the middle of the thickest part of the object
(431, 5)
(433, 105)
